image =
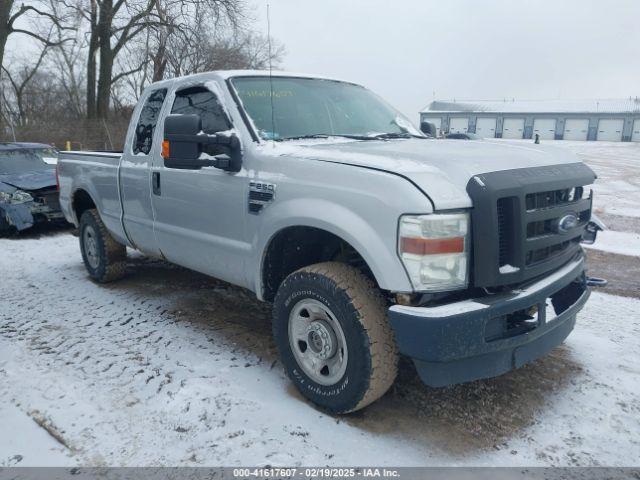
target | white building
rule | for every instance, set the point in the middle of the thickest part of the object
(611, 120)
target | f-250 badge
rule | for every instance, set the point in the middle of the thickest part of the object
(260, 194)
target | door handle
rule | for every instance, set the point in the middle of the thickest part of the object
(155, 183)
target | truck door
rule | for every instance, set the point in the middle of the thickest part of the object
(135, 173)
(200, 214)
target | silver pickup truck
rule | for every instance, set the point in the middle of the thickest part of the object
(370, 238)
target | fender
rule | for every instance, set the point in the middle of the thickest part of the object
(379, 251)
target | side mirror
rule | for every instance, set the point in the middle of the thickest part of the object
(428, 129)
(591, 230)
(184, 145)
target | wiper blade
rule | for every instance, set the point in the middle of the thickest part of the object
(302, 137)
(393, 135)
(329, 135)
(380, 136)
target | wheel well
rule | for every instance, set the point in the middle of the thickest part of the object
(295, 247)
(82, 202)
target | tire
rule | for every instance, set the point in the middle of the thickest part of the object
(103, 257)
(330, 314)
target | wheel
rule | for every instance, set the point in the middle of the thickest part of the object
(103, 257)
(331, 330)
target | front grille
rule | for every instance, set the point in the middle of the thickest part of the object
(49, 198)
(543, 212)
(553, 198)
(502, 232)
(506, 232)
(545, 253)
(527, 222)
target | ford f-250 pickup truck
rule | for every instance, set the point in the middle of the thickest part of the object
(371, 239)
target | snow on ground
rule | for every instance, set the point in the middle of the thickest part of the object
(30, 444)
(617, 164)
(168, 367)
(622, 243)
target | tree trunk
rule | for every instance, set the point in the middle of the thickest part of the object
(105, 19)
(91, 62)
(159, 63)
(104, 84)
(5, 13)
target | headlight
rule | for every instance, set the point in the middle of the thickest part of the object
(16, 197)
(435, 250)
(21, 197)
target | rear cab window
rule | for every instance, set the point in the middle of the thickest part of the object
(147, 121)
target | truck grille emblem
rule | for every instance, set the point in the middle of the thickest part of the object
(568, 222)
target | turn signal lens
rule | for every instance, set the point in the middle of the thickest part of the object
(165, 149)
(431, 246)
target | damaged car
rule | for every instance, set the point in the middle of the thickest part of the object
(28, 187)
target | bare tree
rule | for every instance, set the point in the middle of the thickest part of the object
(113, 24)
(19, 81)
(10, 16)
(95, 57)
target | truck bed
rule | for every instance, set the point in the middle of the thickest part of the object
(96, 173)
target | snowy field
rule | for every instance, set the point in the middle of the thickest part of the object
(169, 367)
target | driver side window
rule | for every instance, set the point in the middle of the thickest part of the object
(204, 103)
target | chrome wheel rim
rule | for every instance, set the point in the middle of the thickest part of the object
(317, 342)
(90, 243)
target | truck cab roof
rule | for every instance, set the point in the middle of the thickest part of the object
(227, 74)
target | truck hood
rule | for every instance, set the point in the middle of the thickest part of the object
(440, 168)
(30, 181)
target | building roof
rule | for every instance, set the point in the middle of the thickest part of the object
(627, 105)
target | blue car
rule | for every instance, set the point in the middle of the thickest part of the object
(28, 188)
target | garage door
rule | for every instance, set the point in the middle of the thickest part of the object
(610, 129)
(437, 121)
(635, 134)
(486, 127)
(545, 127)
(458, 125)
(576, 129)
(513, 128)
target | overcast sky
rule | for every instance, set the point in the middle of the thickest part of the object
(485, 49)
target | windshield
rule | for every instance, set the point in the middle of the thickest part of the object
(21, 161)
(308, 107)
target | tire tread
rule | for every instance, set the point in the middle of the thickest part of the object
(114, 253)
(370, 306)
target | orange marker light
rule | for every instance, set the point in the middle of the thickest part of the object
(431, 246)
(165, 149)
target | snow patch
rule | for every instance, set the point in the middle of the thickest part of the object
(622, 243)
(508, 269)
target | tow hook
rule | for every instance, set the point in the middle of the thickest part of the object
(596, 282)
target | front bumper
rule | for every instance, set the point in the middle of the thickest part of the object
(488, 336)
(24, 215)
